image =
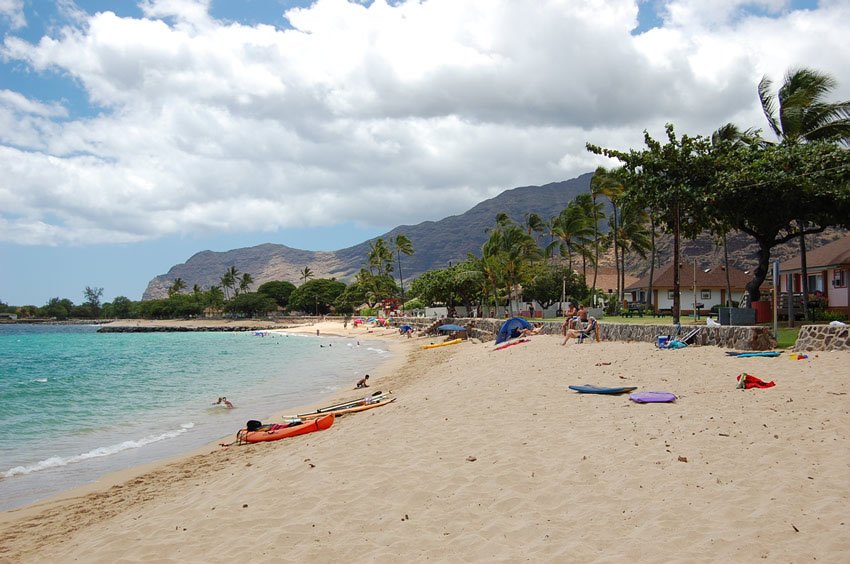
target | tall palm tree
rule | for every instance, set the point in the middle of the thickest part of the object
(176, 287)
(228, 281)
(245, 282)
(535, 224)
(305, 274)
(605, 183)
(730, 135)
(571, 228)
(633, 236)
(799, 113)
(515, 249)
(380, 257)
(402, 245)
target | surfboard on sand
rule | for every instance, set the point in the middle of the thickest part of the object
(768, 354)
(652, 397)
(591, 389)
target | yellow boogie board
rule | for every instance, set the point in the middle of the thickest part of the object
(452, 342)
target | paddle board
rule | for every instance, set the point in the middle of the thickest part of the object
(590, 389)
(452, 342)
(652, 397)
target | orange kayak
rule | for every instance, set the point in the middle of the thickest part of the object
(352, 409)
(276, 432)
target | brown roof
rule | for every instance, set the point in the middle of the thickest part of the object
(606, 279)
(715, 278)
(832, 254)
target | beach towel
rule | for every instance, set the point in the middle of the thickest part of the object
(747, 381)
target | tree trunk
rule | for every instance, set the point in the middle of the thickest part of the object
(726, 265)
(616, 255)
(401, 280)
(763, 256)
(595, 254)
(651, 261)
(676, 298)
(804, 271)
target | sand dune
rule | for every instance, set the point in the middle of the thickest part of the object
(487, 456)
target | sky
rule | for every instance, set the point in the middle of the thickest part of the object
(134, 134)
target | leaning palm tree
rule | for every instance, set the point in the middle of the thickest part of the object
(799, 113)
(402, 245)
(535, 224)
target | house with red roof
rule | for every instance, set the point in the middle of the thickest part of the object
(828, 268)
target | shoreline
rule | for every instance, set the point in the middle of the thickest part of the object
(115, 476)
(486, 455)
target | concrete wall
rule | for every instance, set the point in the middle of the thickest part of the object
(823, 338)
(739, 338)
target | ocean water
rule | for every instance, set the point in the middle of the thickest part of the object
(76, 404)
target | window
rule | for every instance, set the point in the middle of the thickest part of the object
(705, 294)
(669, 294)
(839, 279)
(815, 283)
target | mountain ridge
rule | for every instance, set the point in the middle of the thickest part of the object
(435, 243)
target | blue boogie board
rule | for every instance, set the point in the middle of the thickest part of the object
(590, 389)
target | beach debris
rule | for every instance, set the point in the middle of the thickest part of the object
(683, 459)
(603, 364)
(471, 458)
(244, 505)
(796, 530)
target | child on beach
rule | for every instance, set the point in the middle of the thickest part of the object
(363, 382)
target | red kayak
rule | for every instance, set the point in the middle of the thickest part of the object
(283, 431)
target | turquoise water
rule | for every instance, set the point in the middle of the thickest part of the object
(76, 404)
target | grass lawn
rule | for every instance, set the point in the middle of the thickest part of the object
(787, 337)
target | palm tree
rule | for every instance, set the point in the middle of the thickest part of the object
(245, 282)
(729, 135)
(514, 249)
(570, 228)
(633, 236)
(800, 114)
(402, 245)
(534, 224)
(176, 287)
(305, 274)
(228, 280)
(380, 257)
(196, 290)
(605, 183)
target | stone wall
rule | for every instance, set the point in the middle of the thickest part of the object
(737, 337)
(823, 338)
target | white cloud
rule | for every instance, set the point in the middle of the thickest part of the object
(13, 12)
(380, 114)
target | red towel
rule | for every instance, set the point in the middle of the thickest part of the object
(753, 382)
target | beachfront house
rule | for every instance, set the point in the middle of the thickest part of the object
(709, 284)
(828, 272)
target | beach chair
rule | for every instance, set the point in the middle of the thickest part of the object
(691, 336)
(590, 330)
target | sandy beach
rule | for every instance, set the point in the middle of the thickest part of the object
(487, 456)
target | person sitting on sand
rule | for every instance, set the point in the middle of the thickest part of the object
(581, 334)
(363, 383)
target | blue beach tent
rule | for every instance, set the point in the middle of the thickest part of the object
(450, 327)
(511, 329)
